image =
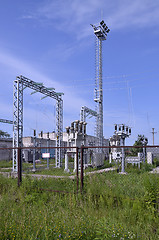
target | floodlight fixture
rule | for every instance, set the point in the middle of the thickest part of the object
(34, 133)
(101, 30)
(126, 129)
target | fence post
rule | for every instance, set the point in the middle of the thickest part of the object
(34, 151)
(144, 153)
(77, 164)
(48, 150)
(82, 168)
(19, 167)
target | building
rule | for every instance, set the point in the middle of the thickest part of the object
(6, 154)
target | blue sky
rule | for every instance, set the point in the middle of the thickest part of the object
(51, 41)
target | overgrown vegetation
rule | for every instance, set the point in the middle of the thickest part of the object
(112, 206)
(4, 134)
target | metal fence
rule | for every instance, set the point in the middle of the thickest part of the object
(77, 162)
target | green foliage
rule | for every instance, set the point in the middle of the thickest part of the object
(112, 206)
(152, 193)
(156, 162)
(5, 164)
(4, 134)
(141, 141)
(105, 230)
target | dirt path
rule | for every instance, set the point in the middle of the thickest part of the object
(39, 176)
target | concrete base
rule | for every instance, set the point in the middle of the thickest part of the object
(123, 173)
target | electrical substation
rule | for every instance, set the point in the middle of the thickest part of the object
(75, 134)
(65, 143)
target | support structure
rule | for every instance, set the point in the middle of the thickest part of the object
(100, 32)
(123, 132)
(59, 130)
(153, 134)
(6, 121)
(85, 112)
(20, 84)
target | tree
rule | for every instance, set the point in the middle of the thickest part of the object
(141, 141)
(4, 134)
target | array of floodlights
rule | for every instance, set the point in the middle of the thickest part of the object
(101, 31)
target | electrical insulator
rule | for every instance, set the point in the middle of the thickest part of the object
(119, 129)
(72, 125)
(34, 133)
(123, 128)
(76, 127)
(84, 128)
(41, 134)
(127, 129)
(67, 129)
(115, 127)
(130, 131)
(80, 126)
(48, 135)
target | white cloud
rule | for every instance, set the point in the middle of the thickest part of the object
(76, 15)
(137, 13)
(72, 101)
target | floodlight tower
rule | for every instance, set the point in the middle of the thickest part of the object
(101, 31)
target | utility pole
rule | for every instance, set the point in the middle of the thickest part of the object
(153, 133)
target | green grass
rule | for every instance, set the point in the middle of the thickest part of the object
(112, 206)
(6, 164)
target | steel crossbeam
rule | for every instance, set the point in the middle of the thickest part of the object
(85, 112)
(19, 85)
(6, 121)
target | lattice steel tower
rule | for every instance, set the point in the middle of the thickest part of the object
(20, 84)
(100, 31)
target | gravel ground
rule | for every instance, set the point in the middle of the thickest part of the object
(155, 170)
(14, 175)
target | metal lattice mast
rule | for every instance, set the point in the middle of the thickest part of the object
(100, 32)
(20, 83)
(17, 119)
(96, 92)
(100, 102)
(59, 130)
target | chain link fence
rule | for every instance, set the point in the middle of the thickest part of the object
(78, 162)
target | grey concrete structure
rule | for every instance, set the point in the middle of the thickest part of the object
(39, 142)
(154, 151)
(6, 154)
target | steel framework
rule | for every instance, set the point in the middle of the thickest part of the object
(100, 32)
(6, 121)
(19, 85)
(85, 112)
